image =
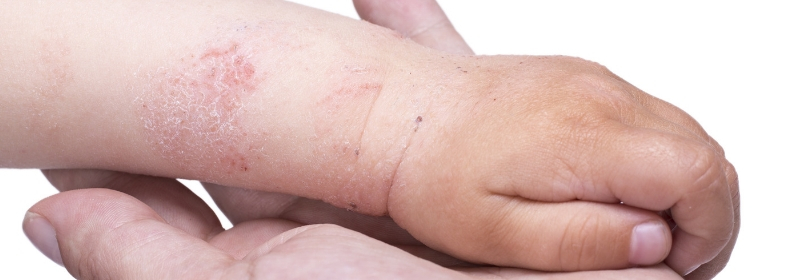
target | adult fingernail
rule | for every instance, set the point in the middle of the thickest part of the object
(690, 270)
(649, 244)
(42, 234)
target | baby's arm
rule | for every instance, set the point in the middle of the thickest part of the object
(263, 94)
(470, 154)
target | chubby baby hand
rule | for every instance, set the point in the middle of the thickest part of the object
(555, 163)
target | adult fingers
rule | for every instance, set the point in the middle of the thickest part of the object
(241, 205)
(423, 21)
(109, 235)
(245, 207)
(660, 272)
(104, 234)
(175, 203)
(240, 240)
(101, 233)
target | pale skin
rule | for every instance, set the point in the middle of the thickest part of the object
(154, 228)
(386, 144)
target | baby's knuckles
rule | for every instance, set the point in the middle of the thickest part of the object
(530, 115)
(502, 131)
(515, 109)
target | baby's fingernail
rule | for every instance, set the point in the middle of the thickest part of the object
(649, 244)
(42, 234)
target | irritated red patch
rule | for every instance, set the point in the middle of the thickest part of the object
(192, 110)
(229, 67)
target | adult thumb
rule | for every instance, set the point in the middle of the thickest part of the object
(105, 234)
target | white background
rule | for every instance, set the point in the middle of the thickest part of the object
(733, 66)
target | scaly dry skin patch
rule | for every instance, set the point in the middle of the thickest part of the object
(340, 117)
(191, 111)
(354, 90)
(274, 106)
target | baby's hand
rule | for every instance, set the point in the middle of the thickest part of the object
(484, 158)
(509, 172)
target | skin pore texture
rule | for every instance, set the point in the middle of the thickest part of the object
(474, 156)
(192, 114)
(224, 113)
(266, 95)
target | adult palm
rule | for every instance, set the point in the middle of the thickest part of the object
(142, 227)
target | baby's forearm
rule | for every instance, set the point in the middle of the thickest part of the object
(490, 159)
(261, 94)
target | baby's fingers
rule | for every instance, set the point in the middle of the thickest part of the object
(581, 236)
(659, 171)
(651, 169)
(567, 236)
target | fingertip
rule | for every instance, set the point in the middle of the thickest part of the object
(690, 270)
(692, 252)
(423, 21)
(43, 236)
(71, 179)
(109, 234)
(686, 177)
(650, 243)
(582, 235)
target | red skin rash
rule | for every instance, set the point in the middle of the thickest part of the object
(192, 112)
(234, 71)
(198, 115)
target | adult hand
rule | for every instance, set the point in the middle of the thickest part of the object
(411, 17)
(389, 115)
(526, 160)
(421, 20)
(141, 227)
(696, 249)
